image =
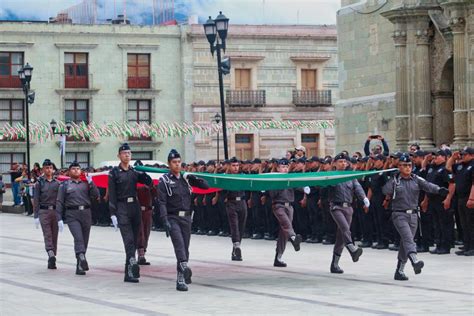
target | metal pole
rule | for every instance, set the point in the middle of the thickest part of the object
(63, 151)
(217, 146)
(221, 91)
(26, 88)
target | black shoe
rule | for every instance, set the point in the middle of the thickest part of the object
(52, 263)
(129, 275)
(460, 253)
(226, 234)
(435, 251)
(365, 244)
(79, 269)
(221, 234)
(442, 251)
(418, 266)
(257, 236)
(212, 233)
(278, 263)
(356, 254)
(328, 242)
(246, 235)
(469, 253)
(374, 246)
(394, 247)
(83, 262)
(134, 267)
(236, 254)
(180, 283)
(142, 261)
(267, 236)
(186, 271)
(400, 276)
(296, 243)
(381, 246)
(420, 249)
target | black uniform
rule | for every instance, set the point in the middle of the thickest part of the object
(123, 203)
(379, 213)
(463, 177)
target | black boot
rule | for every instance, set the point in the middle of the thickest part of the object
(236, 254)
(180, 283)
(296, 241)
(186, 271)
(417, 264)
(355, 252)
(79, 269)
(335, 264)
(278, 263)
(134, 267)
(83, 262)
(129, 275)
(142, 261)
(399, 273)
(51, 260)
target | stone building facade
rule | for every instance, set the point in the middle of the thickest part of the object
(406, 71)
(90, 73)
(278, 72)
(106, 73)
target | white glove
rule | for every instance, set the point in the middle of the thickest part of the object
(89, 179)
(366, 202)
(37, 222)
(114, 222)
(306, 190)
(61, 226)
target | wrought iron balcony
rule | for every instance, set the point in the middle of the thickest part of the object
(245, 98)
(312, 97)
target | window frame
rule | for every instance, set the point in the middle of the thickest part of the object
(75, 81)
(137, 81)
(11, 80)
(138, 120)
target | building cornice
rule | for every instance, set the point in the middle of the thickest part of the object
(76, 45)
(310, 58)
(139, 46)
(16, 44)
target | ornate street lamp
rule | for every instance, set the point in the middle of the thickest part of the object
(25, 74)
(54, 126)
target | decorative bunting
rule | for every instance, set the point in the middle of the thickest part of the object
(40, 131)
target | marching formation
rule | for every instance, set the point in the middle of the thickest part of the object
(414, 202)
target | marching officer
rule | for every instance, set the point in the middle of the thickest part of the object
(236, 207)
(283, 210)
(174, 202)
(340, 198)
(45, 195)
(125, 209)
(73, 204)
(403, 190)
(146, 197)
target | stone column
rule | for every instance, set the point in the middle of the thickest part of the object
(401, 115)
(458, 25)
(423, 107)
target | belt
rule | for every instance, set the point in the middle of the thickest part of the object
(235, 199)
(414, 211)
(286, 204)
(47, 207)
(144, 208)
(129, 199)
(343, 204)
(78, 208)
(181, 213)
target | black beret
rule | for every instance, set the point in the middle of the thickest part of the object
(124, 146)
(353, 160)
(364, 159)
(468, 150)
(301, 160)
(211, 163)
(341, 156)
(226, 161)
(405, 158)
(327, 159)
(257, 160)
(234, 160)
(183, 165)
(138, 163)
(273, 160)
(47, 162)
(313, 159)
(380, 157)
(173, 154)
(74, 164)
(441, 152)
(396, 155)
(284, 161)
(419, 153)
(201, 163)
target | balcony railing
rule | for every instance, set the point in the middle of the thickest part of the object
(138, 82)
(10, 82)
(77, 82)
(312, 97)
(245, 97)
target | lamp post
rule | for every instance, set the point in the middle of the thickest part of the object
(217, 29)
(25, 77)
(217, 119)
(53, 126)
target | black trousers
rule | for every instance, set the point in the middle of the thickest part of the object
(382, 220)
(129, 220)
(467, 221)
(445, 223)
(237, 215)
(180, 234)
